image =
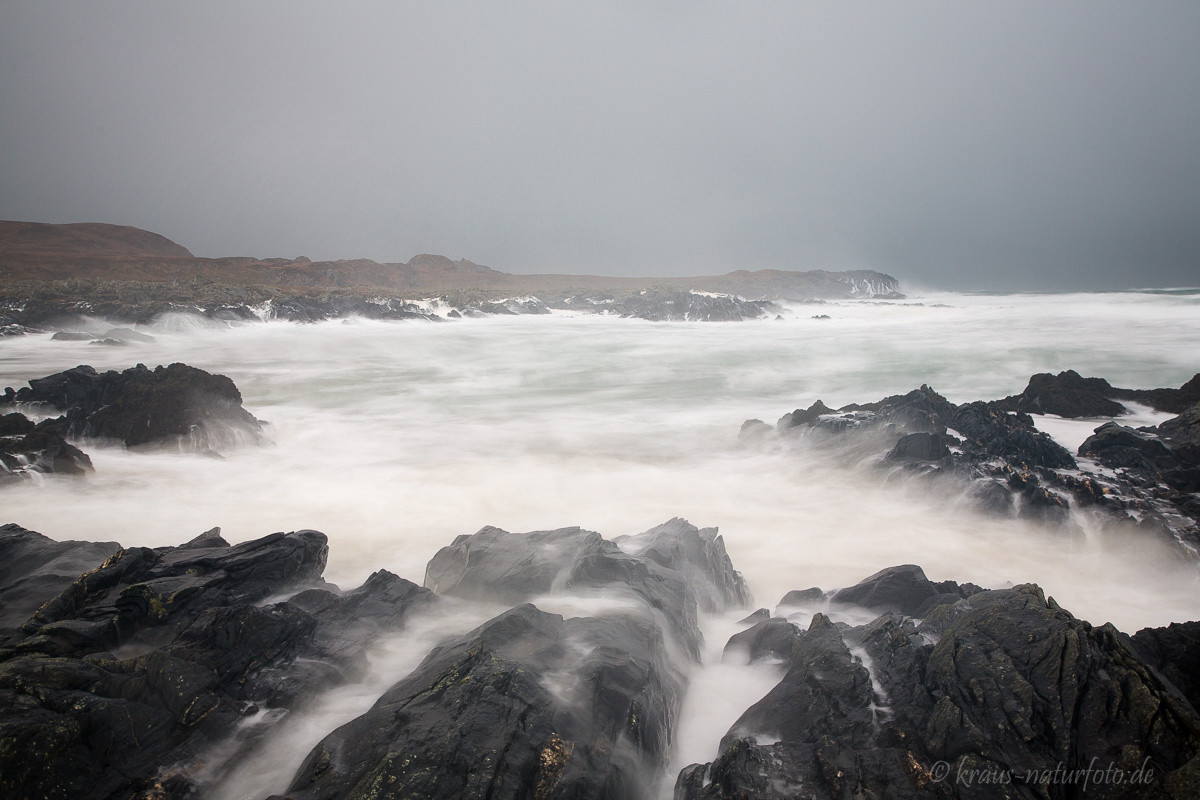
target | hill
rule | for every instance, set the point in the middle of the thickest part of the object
(90, 252)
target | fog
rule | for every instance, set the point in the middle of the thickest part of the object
(1011, 146)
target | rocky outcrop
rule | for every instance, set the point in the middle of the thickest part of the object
(27, 448)
(993, 694)
(175, 405)
(122, 683)
(1068, 394)
(148, 673)
(993, 450)
(531, 704)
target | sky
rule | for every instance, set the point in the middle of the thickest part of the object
(1011, 145)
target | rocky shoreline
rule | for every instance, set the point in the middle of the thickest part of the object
(128, 680)
(1146, 477)
(159, 673)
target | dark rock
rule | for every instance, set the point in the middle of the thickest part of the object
(903, 589)
(1175, 652)
(1121, 447)
(1183, 430)
(674, 569)
(1066, 394)
(125, 335)
(26, 448)
(1002, 683)
(800, 597)
(484, 716)
(1175, 401)
(805, 416)
(176, 404)
(919, 447)
(125, 682)
(756, 617)
(770, 638)
(72, 336)
(35, 568)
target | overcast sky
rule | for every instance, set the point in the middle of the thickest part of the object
(1009, 145)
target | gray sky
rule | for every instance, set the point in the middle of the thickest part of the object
(1006, 145)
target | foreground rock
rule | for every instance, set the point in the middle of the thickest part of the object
(175, 405)
(992, 694)
(1146, 478)
(123, 682)
(531, 704)
(146, 674)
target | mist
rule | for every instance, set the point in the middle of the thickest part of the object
(1018, 146)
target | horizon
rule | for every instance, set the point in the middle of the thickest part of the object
(1015, 147)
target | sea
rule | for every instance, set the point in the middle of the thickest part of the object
(393, 438)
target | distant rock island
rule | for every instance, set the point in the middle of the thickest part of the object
(130, 274)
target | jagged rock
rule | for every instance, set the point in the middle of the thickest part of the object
(799, 597)
(995, 452)
(769, 638)
(124, 683)
(1121, 447)
(528, 705)
(919, 447)
(1175, 401)
(674, 569)
(1184, 429)
(175, 404)
(903, 589)
(1066, 394)
(755, 617)
(1002, 684)
(804, 416)
(25, 448)
(35, 568)
(1175, 652)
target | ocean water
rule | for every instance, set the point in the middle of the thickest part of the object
(395, 437)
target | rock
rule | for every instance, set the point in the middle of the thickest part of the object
(755, 617)
(1175, 652)
(35, 568)
(528, 705)
(125, 335)
(176, 404)
(26, 448)
(125, 682)
(919, 447)
(673, 570)
(805, 416)
(72, 336)
(1120, 447)
(1175, 401)
(800, 597)
(1183, 430)
(1066, 394)
(903, 589)
(999, 683)
(769, 638)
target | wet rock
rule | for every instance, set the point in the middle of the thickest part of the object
(903, 589)
(124, 683)
(176, 404)
(673, 570)
(27, 448)
(1121, 447)
(768, 638)
(999, 683)
(527, 705)
(800, 597)
(1183, 430)
(35, 568)
(1066, 394)
(919, 447)
(1175, 652)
